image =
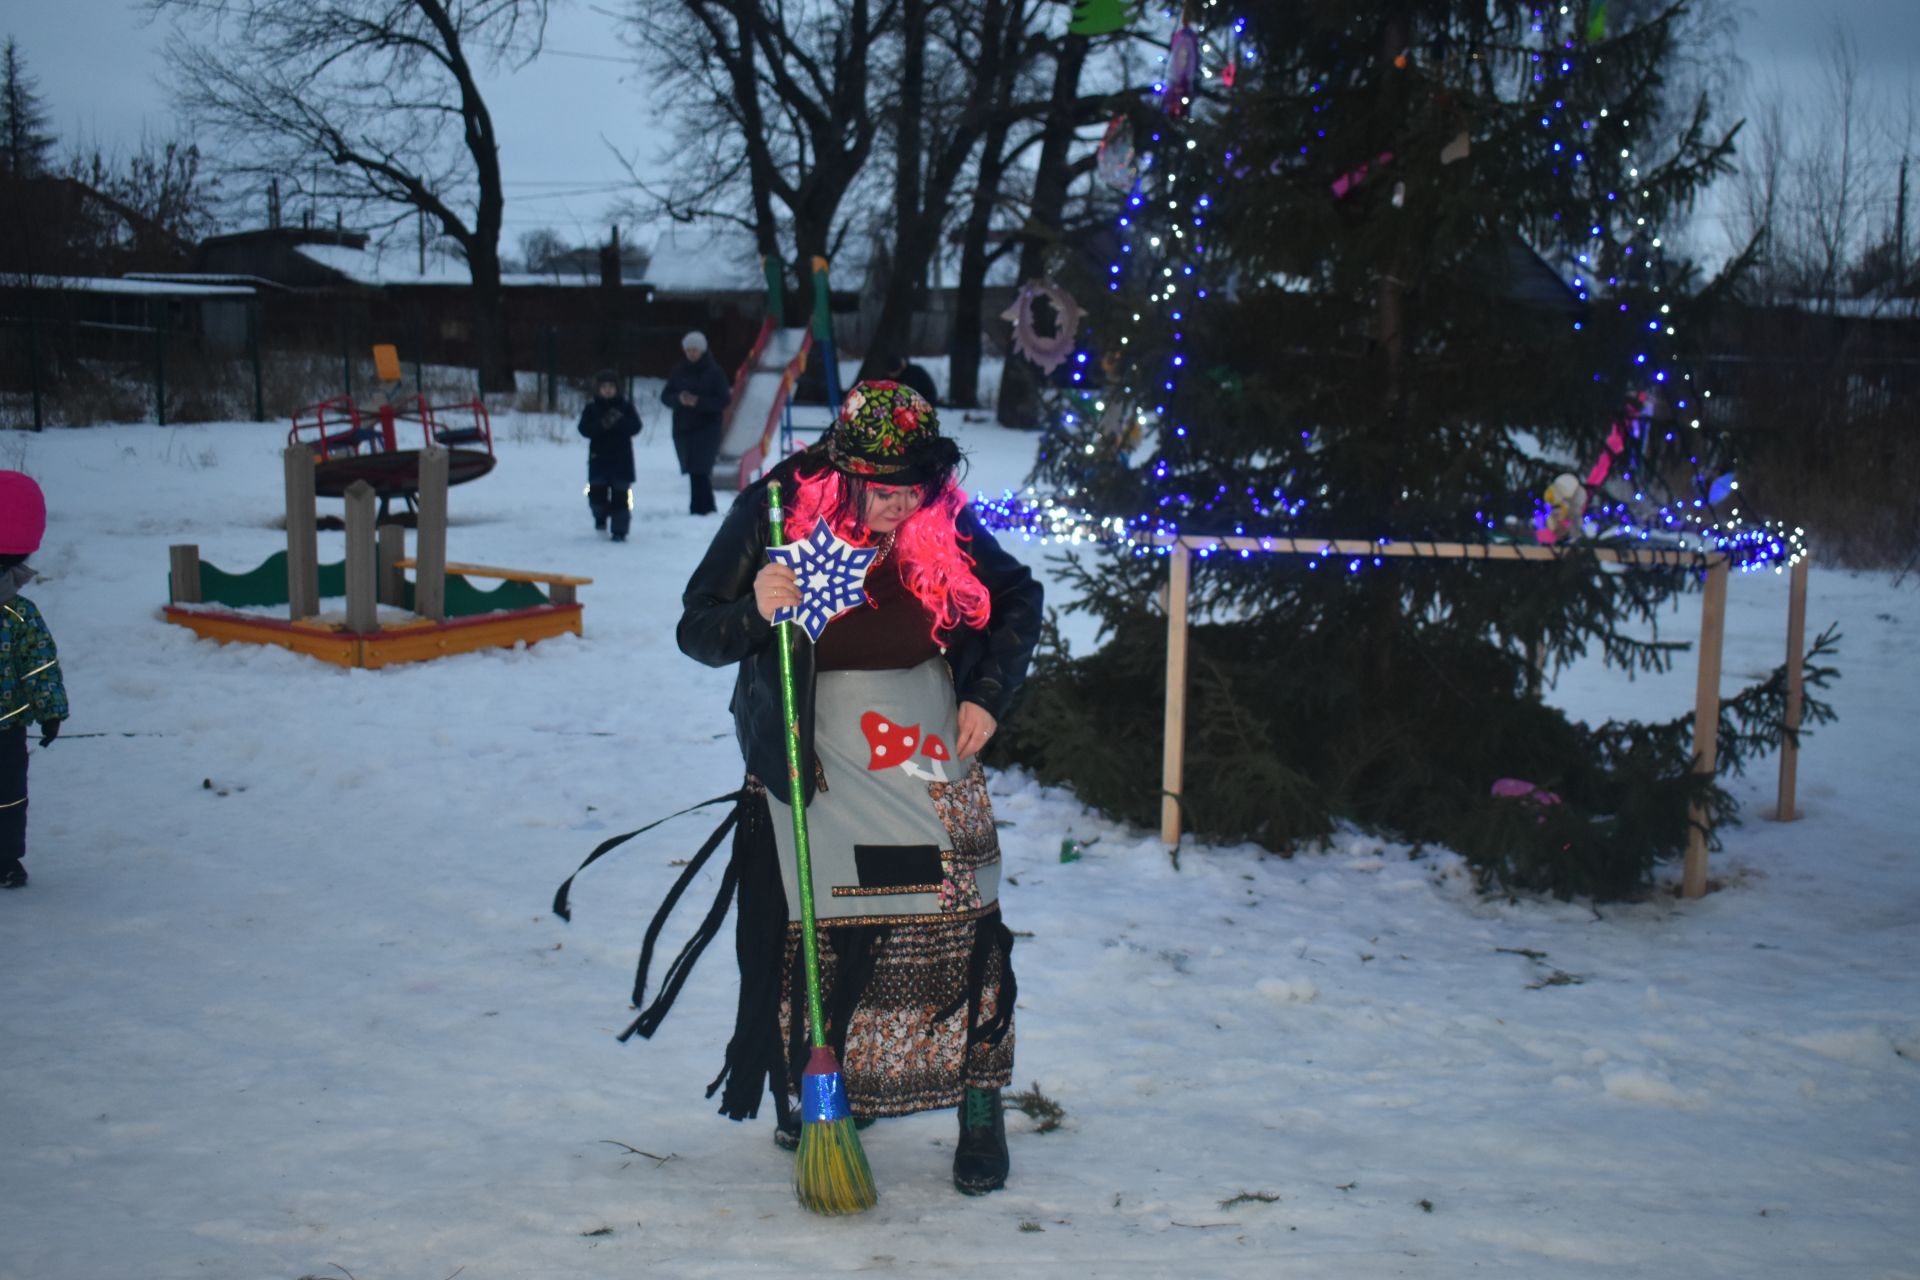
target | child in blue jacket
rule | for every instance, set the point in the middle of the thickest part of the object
(31, 691)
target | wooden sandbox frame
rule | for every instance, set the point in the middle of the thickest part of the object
(1706, 707)
(374, 576)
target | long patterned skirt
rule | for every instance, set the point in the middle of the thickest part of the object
(916, 970)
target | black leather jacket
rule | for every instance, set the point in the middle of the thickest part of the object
(720, 625)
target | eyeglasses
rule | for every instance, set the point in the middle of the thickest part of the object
(913, 494)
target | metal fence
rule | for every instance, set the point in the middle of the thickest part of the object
(132, 351)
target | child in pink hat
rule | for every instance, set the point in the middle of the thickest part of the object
(31, 690)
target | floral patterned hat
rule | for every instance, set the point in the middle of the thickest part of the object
(887, 433)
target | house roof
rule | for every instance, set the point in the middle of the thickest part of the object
(374, 267)
(1514, 270)
(700, 259)
(255, 283)
(126, 285)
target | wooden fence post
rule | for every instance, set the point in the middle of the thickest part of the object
(1706, 718)
(363, 608)
(183, 573)
(1783, 810)
(303, 542)
(1174, 746)
(430, 528)
(391, 548)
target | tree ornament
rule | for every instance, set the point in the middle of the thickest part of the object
(1118, 425)
(1534, 797)
(1566, 505)
(1231, 72)
(1227, 378)
(1639, 410)
(1045, 350)
(1183, 64)
(1357, 175)
(1099, 17)
(1117, 162)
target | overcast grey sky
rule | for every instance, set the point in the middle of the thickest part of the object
(100, 73)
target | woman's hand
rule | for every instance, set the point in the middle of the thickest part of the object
(976, 726)
(774, 588)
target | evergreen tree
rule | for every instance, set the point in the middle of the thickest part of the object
(1336, 315)
(25, 145)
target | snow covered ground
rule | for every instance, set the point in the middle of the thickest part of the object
(284, 997)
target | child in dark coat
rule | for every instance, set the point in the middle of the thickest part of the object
(31, 691)
(610, 422)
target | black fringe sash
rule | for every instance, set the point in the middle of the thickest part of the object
(753, 877)
(561, 906)
(993, 935)
(677, 973)
(755, 1057)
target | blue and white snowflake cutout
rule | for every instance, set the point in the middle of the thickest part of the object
(831, 575)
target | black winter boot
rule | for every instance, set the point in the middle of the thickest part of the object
(13, 876)
(980, 1157)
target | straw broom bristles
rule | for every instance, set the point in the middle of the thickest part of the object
(830, 1173)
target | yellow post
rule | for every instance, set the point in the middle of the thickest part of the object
(1783, 810)
(1173, 750)
(386, 361)
(1706, 718)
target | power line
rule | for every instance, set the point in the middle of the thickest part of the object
(229, 10)
(569, 195)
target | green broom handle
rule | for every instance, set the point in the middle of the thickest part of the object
(797, 795)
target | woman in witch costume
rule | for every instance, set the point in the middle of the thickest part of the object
(894, 701)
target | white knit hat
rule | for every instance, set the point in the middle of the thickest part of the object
(695, 341)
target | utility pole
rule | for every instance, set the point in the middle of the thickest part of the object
(1900, 235)
(613, 347)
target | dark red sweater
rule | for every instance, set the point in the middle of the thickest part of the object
(892, 630)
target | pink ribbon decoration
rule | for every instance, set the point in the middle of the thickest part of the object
(1521, 789)
(1357, 175)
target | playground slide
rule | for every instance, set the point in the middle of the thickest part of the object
(752, 429)
(760, 423)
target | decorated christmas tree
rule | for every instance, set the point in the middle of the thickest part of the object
(1395, 273)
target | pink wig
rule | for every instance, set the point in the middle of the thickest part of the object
(932, 563)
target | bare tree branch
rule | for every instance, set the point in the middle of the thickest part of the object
(382, 96)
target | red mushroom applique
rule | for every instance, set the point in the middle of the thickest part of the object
(936, 751)
(891, 746)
